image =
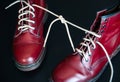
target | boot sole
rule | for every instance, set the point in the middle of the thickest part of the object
(34, 65)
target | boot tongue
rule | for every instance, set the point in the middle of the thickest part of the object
(96, 24)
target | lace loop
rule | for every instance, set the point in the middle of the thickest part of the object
(82, 53)
(67, 29)
(26, 12)
(23, 27)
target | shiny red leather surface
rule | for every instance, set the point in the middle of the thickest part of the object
(74, 68)
(29, 44)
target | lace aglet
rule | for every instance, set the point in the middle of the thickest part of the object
(7, 7)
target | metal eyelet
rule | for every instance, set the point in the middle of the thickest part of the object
(86, 60)
(106, 20)
(101, 31)
(103, 26)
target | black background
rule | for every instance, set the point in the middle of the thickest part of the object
(80, 12)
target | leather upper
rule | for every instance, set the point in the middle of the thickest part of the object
(75, 68)
(28, 45)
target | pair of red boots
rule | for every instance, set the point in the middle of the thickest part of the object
(88, 61)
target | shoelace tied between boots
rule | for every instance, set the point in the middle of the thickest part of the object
(65, 22)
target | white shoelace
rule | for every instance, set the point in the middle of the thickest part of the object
(26, 9)
(84, 55)
(63, 21)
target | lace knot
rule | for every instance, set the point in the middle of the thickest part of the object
(62, 19)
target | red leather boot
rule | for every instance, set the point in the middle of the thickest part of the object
(92, 55)
(28, 40)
